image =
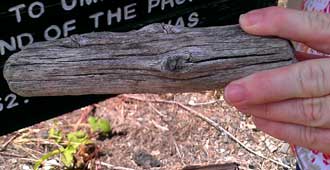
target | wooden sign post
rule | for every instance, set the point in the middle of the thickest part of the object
(24, 22)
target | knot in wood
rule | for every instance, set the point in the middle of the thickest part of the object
(75, 41)
(170, 29)
(153, 28)
(176, 64)
(161, 28)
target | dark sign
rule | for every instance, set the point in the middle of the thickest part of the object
(26, 21)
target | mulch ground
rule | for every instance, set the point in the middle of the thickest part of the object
(156, 132)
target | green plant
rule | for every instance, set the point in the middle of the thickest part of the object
(46, 157)
(74, 140)
(99, 125)
(70, 144)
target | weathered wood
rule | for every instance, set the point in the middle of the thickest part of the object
(228, 166)
(156, 59)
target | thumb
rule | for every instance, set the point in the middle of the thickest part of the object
(310, 28)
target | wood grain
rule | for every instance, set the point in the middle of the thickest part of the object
(228, 166)
(155, 59)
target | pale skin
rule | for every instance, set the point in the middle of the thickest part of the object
(290, 103)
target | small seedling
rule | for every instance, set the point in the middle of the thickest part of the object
(70, 144)
(74, 140)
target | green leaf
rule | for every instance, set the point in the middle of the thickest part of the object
(77, 138)
(68, 155)
(99, 125)
(92, 120)
(55, 134)
(104, 126)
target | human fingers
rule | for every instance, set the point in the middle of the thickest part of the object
(309, 137)
(312, 112)
(310, 28)
(301, 56)
(302, 80)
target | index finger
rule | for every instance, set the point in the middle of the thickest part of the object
(302, 80)
(310, 28)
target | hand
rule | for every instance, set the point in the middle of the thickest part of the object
(290, 103)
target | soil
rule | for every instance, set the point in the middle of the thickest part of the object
(154, 135)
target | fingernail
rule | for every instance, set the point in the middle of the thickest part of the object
(251, 18)
(235, 93)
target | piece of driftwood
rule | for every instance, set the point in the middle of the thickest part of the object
(155, 59)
